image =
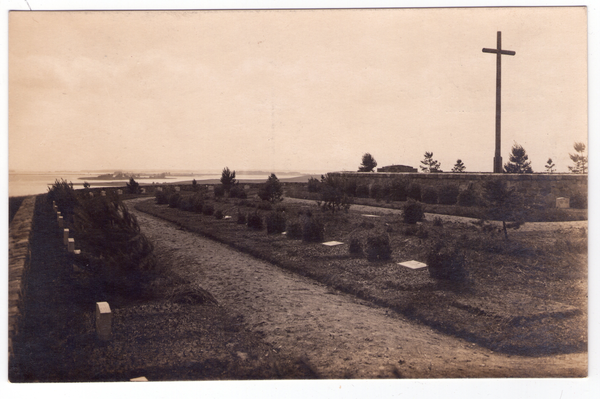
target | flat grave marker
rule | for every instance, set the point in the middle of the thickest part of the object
(71, 245)
(563, 202)
(139, 379)
(60, 222)
(332, 243)
(413, 264)
(65, 236)
(372, 216)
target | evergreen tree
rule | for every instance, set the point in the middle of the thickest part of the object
(368, 163)
(429, 165)
(227, 179)
(272, 190)
(459, 167)
(133, 186)
(550, 166)
(519, 161)
(580, 160)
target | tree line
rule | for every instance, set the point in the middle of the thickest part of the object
(518, 162)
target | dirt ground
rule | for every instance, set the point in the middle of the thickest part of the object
(338, 335)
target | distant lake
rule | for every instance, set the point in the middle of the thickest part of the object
(37, 183)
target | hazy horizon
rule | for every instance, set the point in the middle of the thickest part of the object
(292, 90)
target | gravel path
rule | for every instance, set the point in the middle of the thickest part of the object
(338, 335)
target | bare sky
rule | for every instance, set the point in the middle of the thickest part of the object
(292, 90)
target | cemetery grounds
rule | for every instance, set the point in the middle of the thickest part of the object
(523, 314)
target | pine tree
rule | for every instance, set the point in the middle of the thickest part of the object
(580, 160)
(227, 179)
(272, 190)
(368, 163)
(429, 165)
(459, 167)
(519, 161)
(550, 166)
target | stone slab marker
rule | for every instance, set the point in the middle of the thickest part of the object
(177, 188)
(103, 321)
(103, 193)
(247, 187)
(139, 379)
(91, 194)
(58, 216)
(563, 202)
(71, 245)
(60, 222)
(65, 236)
(120, 192)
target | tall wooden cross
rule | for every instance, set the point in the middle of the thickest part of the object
(498, 51)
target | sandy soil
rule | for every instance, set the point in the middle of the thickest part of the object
(338, 335)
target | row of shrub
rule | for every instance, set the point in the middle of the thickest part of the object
(395, 190)
(114, 250)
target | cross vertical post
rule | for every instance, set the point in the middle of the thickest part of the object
(499, 52)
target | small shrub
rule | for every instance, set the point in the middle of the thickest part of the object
(255, 221)
(412, 212)
(579, 201)
(219, 191)
(430, 195)
(219, 214)
(280, 208)
(174, 200)
(355, 247)
(437, 221)
(241, 218)
(448, 195)
(314, 185)
(467, 197)
(378, 247)
(294, 230)
(185, 204)
(162, 198)
(416, 231)
(414, 191)
(367, 225)
(208, 209)
(271, 190)
(377, 191)
(275, 223)
(197, 202)
(237, 191)
(313, 230)
(265, 206)
(244, 202)
(447, 263)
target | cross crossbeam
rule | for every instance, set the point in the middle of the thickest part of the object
(499, 52)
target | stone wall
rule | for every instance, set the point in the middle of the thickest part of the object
(19, 252)
(536, 188)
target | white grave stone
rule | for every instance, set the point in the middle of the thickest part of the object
(120, 192)
(247, 187)
(91, 194)
(71, 245)
(158, 188)
(211, 188)
(103, 320)
(177, 188)
(65, 236)
(77, 252)
(413, 264)
(143, 191)
(103, 193)
(58, 216)
(226, 217)
(54, 207)
(372, 216)
(60, 222)
(563, 202)
(139, 379)
(332, 243)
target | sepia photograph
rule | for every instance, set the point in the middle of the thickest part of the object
(297, 194)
